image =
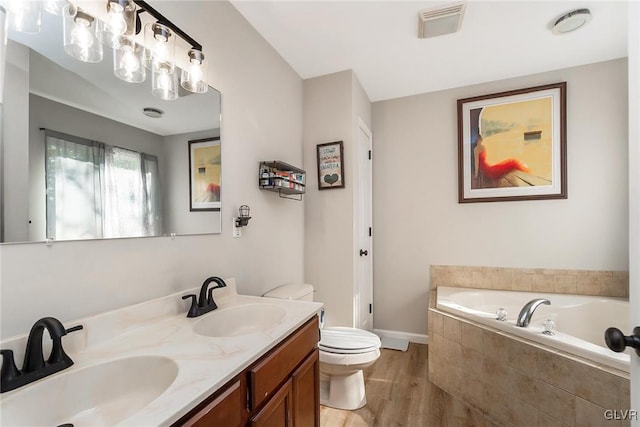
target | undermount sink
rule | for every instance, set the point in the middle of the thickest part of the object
(239, 320)
(99, 395)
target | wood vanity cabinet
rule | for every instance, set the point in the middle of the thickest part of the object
(281, 389)
(278, 411)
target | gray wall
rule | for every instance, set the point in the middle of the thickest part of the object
(418, 220)
(332, 106)
(262, 119)
(15, 144)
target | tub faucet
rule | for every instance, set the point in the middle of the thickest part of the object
(527, 311)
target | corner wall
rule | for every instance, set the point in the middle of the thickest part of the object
(261, 119)
(418, 221)
(332, 106)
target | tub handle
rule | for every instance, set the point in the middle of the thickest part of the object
(617, 342)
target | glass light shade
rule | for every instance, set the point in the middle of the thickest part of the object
(161, 45)
(25, 16)
(80, 39)
(193, 76)
(3, 49)
(55, 7)
(127, 61)
(120, 20)
(164, 81)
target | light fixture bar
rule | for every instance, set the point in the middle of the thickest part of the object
(145, 7)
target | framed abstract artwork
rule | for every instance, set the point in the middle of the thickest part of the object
(204, 174)
(330, 165)
(512, 145)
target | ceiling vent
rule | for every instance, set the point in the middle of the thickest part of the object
(442, 20)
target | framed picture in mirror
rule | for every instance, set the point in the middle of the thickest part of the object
(204, 174)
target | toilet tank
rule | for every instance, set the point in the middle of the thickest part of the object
(297, 291)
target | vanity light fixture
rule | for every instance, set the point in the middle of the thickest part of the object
(121, 15)
(192, 77)
(25, 16)
(55, 7)
(242, 220)
(164, 81)
(84, 35)
(3, 50)
(571, 21)
(161, 45)
(160, 42)
(127, 61)
(80, 39)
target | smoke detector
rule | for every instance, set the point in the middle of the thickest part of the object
(440, 20)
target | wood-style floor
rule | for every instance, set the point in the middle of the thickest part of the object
(399, 394)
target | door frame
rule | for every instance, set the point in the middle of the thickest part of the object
(634, 197)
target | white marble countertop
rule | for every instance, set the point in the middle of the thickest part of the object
(161, 328)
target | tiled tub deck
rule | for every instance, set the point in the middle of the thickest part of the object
(519, 383)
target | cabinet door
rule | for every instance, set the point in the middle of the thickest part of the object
(225, 410)
(273, 369)
(278, 410)
(306, 392)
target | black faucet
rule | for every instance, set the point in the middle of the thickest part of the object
(34, 366)
(205, 303)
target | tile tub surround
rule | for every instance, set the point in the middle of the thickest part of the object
(514, 382)
(578, 282)
(160, 327)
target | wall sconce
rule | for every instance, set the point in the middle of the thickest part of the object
(242, 220)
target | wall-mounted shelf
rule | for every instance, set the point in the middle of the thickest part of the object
(286, 180)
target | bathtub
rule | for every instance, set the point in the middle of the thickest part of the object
(580, 321)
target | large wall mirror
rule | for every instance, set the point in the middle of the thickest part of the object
(59, 115)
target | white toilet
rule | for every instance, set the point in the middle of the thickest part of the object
(344, 353)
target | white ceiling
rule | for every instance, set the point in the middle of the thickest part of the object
(378, 40)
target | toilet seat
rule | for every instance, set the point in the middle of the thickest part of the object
(342, 340)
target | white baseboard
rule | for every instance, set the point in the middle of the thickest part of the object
(416, 338)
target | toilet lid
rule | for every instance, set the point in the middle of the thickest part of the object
(347, 340)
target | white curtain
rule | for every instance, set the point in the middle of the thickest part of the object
(96, 190)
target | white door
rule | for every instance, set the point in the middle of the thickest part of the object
(634, 197)
(363, 283)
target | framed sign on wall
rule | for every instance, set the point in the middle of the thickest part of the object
(330, 165)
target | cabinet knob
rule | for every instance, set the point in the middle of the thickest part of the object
(363, 252)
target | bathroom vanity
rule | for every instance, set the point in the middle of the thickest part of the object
(281, 388)
(251, 362)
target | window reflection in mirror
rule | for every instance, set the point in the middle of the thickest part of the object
(132, 177)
